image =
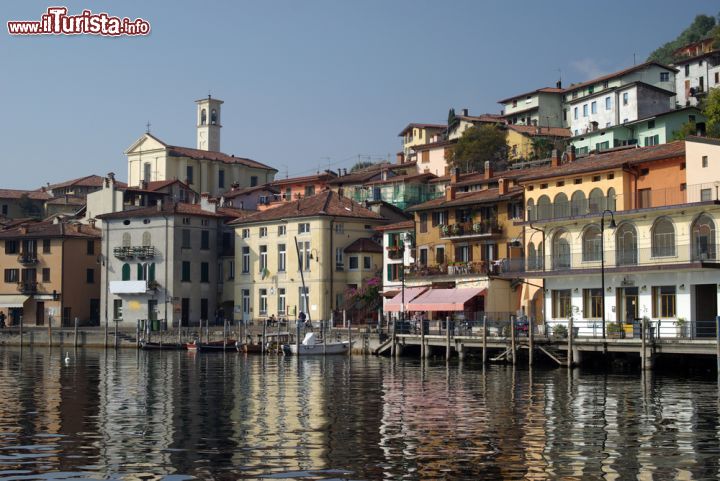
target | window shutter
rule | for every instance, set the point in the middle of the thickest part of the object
(126, 272)
(151, 272)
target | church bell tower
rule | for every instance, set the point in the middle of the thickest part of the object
(208, 124)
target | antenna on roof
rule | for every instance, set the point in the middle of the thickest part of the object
(147, 127)
(634, 62)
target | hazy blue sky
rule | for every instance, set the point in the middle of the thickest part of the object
(304, 82)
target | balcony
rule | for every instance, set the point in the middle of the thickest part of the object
(27, 287)
(132, 287)
(395, 253)
(465, 230)
(139, 252)
(456, 269)
(27, 259)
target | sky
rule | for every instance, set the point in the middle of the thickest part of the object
(306, 84)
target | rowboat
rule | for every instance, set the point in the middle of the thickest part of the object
(157, 346)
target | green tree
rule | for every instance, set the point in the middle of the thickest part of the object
(360, 165)
(700, 28)
(688, 128)
(451, 118)
(477, 145)
(712, 112)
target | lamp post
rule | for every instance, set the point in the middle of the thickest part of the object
(602, 261)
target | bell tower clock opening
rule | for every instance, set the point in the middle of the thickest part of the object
(208, 124)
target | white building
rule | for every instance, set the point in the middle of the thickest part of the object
(541, 108)
(205, 168)
(696, 76)
(164, 263)
(397, 241)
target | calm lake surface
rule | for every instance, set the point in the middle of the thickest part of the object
(131, 415)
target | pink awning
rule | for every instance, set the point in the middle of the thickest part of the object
(393, 304)
(444, 299)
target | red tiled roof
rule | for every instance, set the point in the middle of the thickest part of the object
(403, 178)
(364, 175)
(175, 151)
(549, 90)
(67, 200)
(609, 160)
(33, 230)
(432, 145)
(231, 194)
(179, 208)
(327, 203)
(17, 194)
(618, 74)
(534, 131)
(364, 245)
(421, 126)
(404, 225)
(307, 178)
(87, 181)
(465, 198)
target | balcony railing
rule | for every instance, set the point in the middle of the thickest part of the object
(27, 287)
(395, 252)
(645, 256)
(139, 252)
(644, 199)
(487, 268)
(468, 229)
(27, 259)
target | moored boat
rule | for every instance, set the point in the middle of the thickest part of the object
(158, 346)
(311, 346)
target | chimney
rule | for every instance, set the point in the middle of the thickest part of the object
(450, 192)
(111, 176)
(206, 204)
(503, 186)
(465, 112)
(555, 158)
(558, 84)
(91, 221)
(454, 175)
(400, 157)
(384, 174)
(571, 154)
(488, 170)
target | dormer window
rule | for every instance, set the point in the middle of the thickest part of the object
(213, 117)
(203, 117)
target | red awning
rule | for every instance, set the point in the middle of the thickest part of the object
(393, 305)
(444, 299)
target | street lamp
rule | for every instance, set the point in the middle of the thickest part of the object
(602, 260)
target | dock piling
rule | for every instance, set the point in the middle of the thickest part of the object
(447, 338)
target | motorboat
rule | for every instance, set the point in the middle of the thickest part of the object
(310, 345)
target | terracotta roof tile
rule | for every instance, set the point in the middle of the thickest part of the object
(609, 160)
(33, 230)
(87, 181)
(617, 74)
(421, 126)
(404, 225)
(364, 245)
(179, 208)
(466, 198)
(549, 90)
(175, 151)
(327, 203)
(17, 194)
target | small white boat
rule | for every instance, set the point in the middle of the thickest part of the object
(310, 345)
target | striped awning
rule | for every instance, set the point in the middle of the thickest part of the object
(394, 304)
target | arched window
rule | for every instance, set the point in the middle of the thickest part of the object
(561, 206)
(663, 238)
(151, 272)
(591, 244)
(578, 203)
(561, 250)
(126, 272)
(146, 239)
(213, 117)
(141, 272)
(126, 241)
(540, 256)
(203, 117)
(544, 208)
(611, 204)
(703, 239)
(596, 202)
(531, 257)
(626, 245)
(531, 214)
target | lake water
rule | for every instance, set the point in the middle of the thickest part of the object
(131, 415)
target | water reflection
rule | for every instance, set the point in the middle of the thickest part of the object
(175, 415)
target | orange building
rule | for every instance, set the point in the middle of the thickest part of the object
(296, 188)
(50, 274)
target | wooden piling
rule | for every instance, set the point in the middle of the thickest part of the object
(571, 335)
(531, 341)
(643, 344)
(349, 337)
(447, 338)
(116, 335)
(513, 348)
(137, 334)
(717, 345)
(423, 347)
(264, 326)
(49, 331)
(75, 340)
(225, 334)
(484, 339)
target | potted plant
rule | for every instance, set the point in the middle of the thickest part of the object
(615, 330)
(477, 227)
(445, 229)
(456, 229)
(681, 324)
(559, 330)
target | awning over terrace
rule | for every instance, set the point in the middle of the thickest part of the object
(393, 305)
(435, 300)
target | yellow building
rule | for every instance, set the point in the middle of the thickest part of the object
(323, 241)
(419, 134)
(468, 238)
(205, 168)
(522, 140)
(51, 274)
